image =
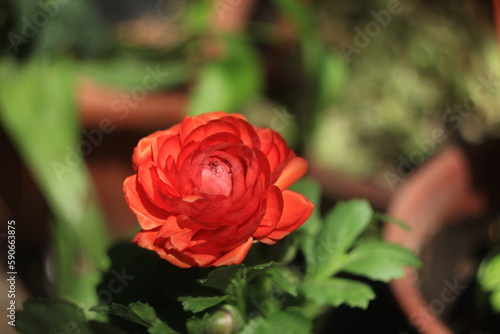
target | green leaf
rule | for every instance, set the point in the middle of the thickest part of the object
(196, 325)
(232, 281)
(258, 269)
(221, 277)
(46, 134)
(252, 325)
(338, 291)
(161, 328)
(121, 311)
(197, 16)
(290, 322)
(343, 225)
(489, 278)
(286, 279)
(198, 304)
(139, 313)
(379, 261)
(489, 274)
(332, 76)
(495, 300)
(101, 328)
(41, 315)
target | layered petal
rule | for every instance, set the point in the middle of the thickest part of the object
(296, 209)
(143, 148)
(208, 188)
(293, 171)
(273, 213)
(235, 256)
(148, 214)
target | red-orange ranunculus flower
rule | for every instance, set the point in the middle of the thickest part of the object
(207, 188)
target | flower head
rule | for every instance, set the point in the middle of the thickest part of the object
(209, 187)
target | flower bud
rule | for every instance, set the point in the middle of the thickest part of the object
(227, 320)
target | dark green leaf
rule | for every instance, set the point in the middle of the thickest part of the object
(495, 300)
(289, 322)
(379, 261)
(221, 277)
(196, 325)
(121, 311)
(101, 328)
(343, 225)
(258, 269)
(338, 291)
(50, 316)
(286, 279)
(198, 304)
(139, 313)
(160, 328)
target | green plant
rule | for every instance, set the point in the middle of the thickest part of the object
(272, 290)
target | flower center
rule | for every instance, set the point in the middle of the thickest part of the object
(215, 166)
(216, 178)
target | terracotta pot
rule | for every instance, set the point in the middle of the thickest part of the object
(438, 194)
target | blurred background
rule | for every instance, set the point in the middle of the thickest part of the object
(366, 91)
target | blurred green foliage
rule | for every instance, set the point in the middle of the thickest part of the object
(489, 278)
(228, 83)
(410, 77)
(428, 67)
(37, 108)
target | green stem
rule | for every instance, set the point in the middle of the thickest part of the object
(242, 305)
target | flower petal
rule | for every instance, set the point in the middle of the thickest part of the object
(188, 124)
(148, 214)
(145, 238)
(274, 210)
(203, 260)
(296, 209)
(235, 256)
(293, 171)
(172, 235)
(143, 148)
(177, 258)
